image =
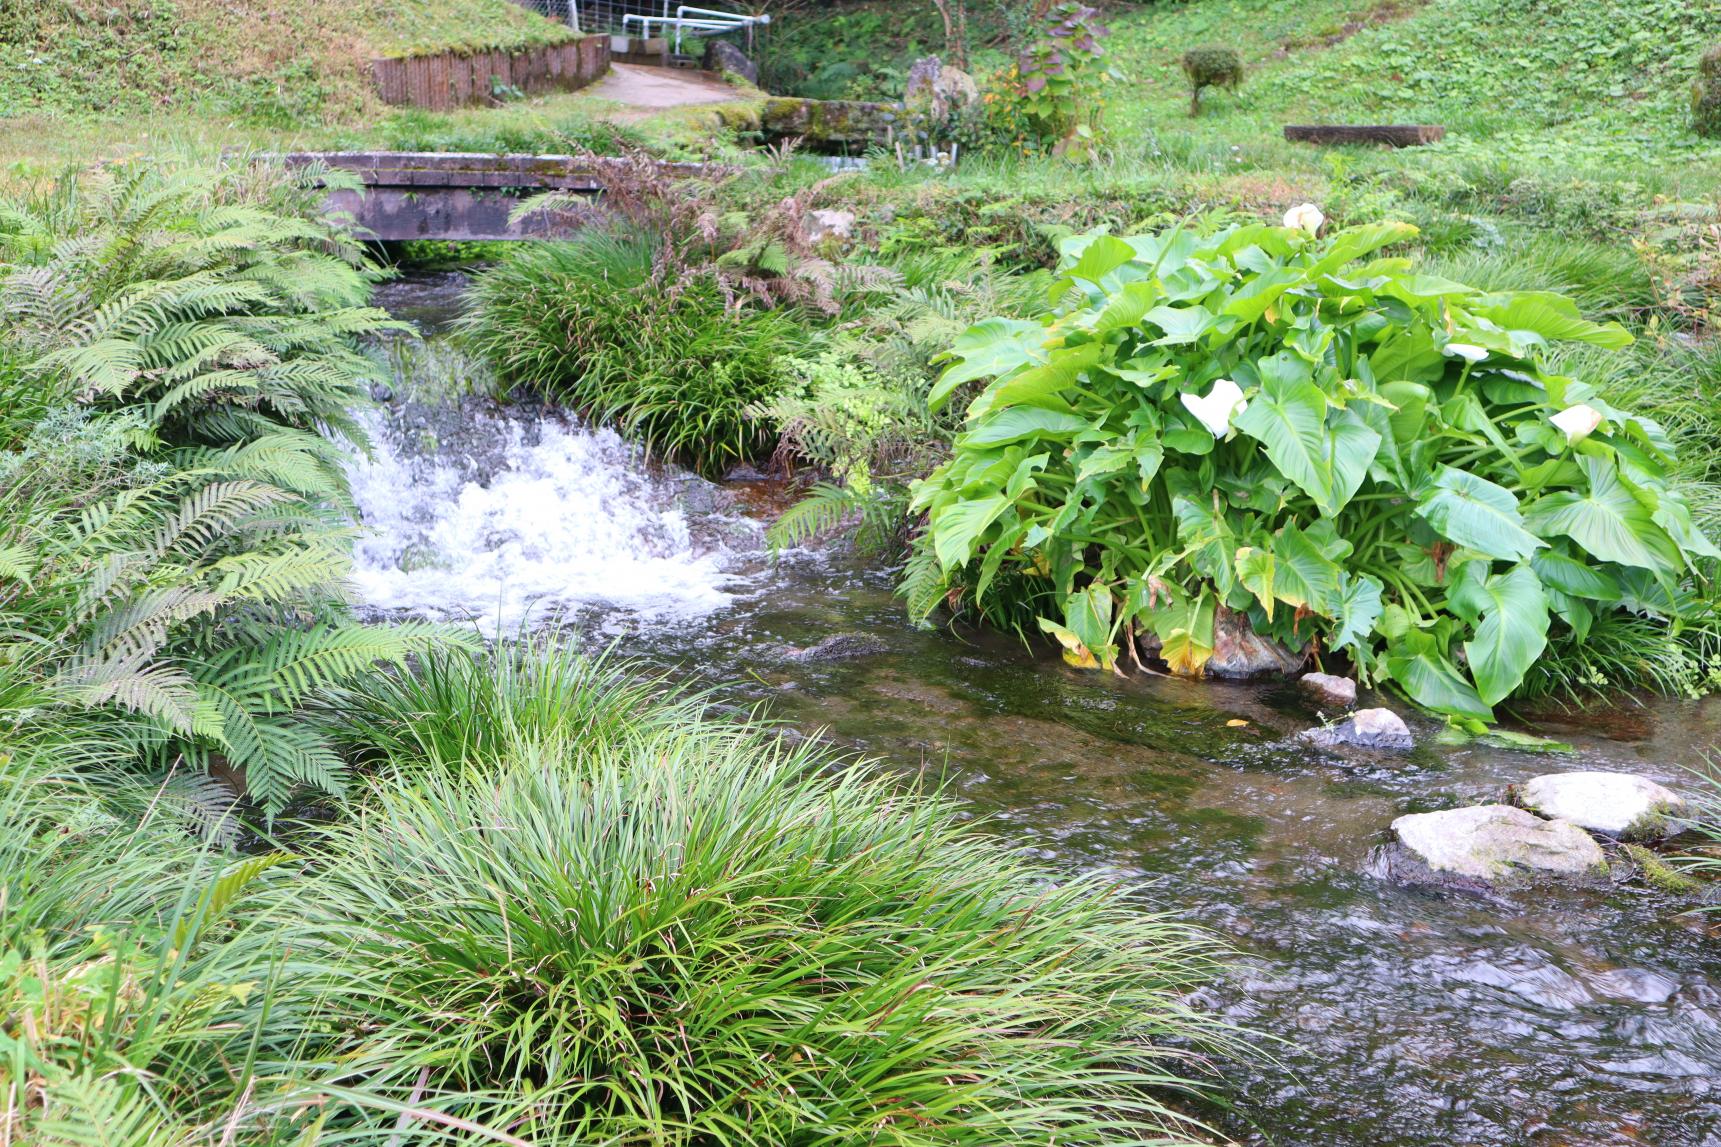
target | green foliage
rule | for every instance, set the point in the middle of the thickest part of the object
(1355, 455)
(1054, 90)
(1706, 95)
(537, 692)
(174, 550)
(669, 360)
(1211, 68)
(678, 940)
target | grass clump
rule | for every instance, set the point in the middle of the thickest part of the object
(673, 362)
(709, 936)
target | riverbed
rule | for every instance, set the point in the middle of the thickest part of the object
(1387, 1015)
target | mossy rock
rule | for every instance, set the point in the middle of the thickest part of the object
(1706, 95)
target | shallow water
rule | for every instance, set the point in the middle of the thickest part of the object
(1553, 1016)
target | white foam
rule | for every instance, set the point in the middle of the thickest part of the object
(532, 517)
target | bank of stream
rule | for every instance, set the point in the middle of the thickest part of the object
(1557, 1015)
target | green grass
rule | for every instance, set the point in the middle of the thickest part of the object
(594, 323)
(707, 936)
(276, 65)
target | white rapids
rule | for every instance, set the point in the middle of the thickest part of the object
(521, 517)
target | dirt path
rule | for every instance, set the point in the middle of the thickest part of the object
(646, 90)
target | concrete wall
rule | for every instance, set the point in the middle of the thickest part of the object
(453, 79)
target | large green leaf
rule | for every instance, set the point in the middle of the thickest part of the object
(1414, 660)
(1513, 630)
(1352, 447)
(1307, 577)
(1473, 512)
(1555, 318)
(1181, 324)
(1359, 607)
(1608, 522)
(958, 526)
(1288, 418)
(1041, 385)
(1020, 422)
(987, 349)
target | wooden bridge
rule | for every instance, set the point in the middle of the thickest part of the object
(441, 195)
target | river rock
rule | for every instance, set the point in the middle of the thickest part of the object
(1330, 690)
(1365, 729)
(1488, 842)
(722, 56)
(1240, 653)
(839, 647)
(1615, 804)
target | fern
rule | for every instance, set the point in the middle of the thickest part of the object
(164, 545)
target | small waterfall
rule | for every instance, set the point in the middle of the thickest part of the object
(511, 517)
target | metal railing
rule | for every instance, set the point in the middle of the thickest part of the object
(620, 16)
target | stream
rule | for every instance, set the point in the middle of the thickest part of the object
(1388, 1015)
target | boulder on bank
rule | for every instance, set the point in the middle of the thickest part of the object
(1240, 653)
(1339, 692)
(722, 56)
(1489, 842)
(938, 91)
(1365, 729)
(1614, 804)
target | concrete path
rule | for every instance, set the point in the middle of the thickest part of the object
(646, 90)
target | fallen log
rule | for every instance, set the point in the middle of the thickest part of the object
(1390, 134)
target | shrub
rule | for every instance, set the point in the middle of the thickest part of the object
(1360, 458)
(666, 359)
(1211, 68)
(1051, 99)
(710, 937)
(1706, 94)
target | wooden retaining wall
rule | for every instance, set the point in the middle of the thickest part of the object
(458, 79)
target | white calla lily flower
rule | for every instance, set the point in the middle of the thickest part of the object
(1223, 403)
(1305, 217)
(1469, 352)
(1577, 422)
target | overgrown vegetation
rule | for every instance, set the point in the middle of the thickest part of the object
(1358, 458)
(174, 532)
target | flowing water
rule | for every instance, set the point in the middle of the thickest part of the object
(1389, 1015)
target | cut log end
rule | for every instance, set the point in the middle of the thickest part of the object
(1391, 135)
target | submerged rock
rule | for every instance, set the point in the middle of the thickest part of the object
(1488, 842)
(1365, 729)
(1615, 804)
(1330, 690)
(839, 647)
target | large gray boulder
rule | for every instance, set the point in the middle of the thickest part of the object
(1615, 804)
(722, 56)
(937, 91)
(1491, 842)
